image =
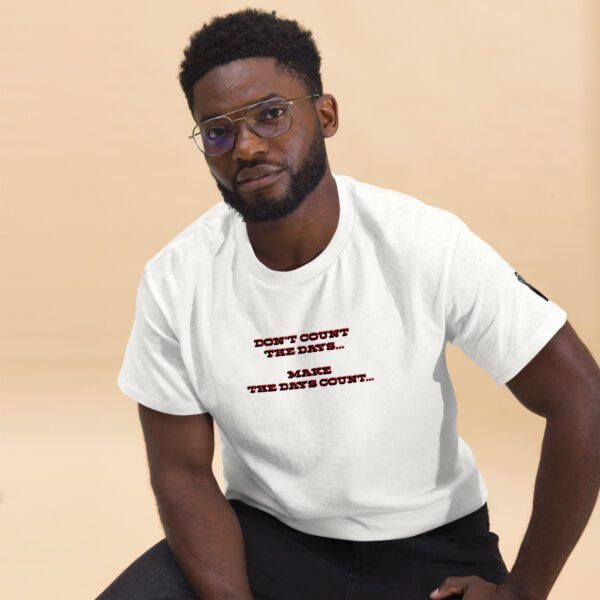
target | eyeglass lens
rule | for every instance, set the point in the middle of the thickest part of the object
(267, 119)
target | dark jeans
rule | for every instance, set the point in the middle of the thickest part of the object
(286, 564)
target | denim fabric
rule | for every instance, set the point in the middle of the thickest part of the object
(286, 564)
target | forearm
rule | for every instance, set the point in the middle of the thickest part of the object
(204, 534)
(566, 489)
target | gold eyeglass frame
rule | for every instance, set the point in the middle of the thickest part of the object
(196, 134)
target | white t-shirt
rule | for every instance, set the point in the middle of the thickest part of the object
(329, 382)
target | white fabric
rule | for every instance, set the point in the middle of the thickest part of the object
(353, 432)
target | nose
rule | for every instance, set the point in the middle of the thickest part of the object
(247, 143)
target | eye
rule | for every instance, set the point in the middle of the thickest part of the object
(272, 114)
(215, 132)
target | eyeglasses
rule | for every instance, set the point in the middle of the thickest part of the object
(267, 119)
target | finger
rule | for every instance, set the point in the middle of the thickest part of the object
(451, 585)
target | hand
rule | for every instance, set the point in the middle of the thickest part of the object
(473, 588)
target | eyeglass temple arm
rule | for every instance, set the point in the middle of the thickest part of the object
(304, 98)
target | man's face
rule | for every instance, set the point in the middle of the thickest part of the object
(298, 157)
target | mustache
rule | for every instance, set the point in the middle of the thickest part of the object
(256, 163)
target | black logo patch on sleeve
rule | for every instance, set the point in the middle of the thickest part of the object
(530, 286)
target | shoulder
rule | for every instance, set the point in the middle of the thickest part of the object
(191, 248)
(401, 218)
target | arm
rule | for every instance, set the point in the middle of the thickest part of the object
(562, 384)
(202, 529)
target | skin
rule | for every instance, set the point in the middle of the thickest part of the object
(297, 238)
(561, 384)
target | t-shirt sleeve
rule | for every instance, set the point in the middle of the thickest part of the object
(153, 372)
(493, 314)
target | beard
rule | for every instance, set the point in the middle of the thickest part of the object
(263, 208)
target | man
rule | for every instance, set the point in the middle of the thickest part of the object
(308, 315)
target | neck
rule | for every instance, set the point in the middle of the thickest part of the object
(296, 239)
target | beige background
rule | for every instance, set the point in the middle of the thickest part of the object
(487, 109)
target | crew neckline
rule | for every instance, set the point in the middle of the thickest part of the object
(315, 266)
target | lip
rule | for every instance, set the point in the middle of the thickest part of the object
(262, 182)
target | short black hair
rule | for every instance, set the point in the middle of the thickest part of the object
(251, 33)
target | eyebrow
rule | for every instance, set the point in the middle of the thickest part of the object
(267, 97)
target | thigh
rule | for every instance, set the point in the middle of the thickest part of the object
(411, 568)
(286, 564)
(155, 575)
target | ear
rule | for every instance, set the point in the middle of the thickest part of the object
(327, 110)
